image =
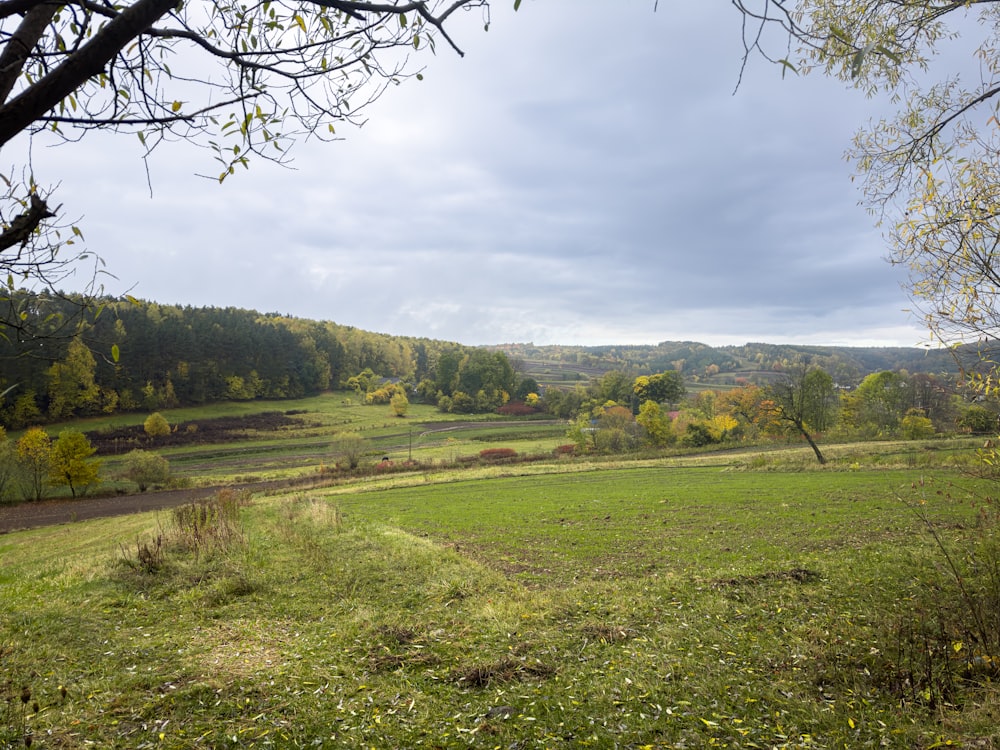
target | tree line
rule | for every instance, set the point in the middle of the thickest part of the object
(618, 412)
(139, 355)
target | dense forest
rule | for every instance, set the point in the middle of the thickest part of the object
(139, 355)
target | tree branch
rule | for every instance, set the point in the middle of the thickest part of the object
(112, 122)
(21, 42)
(24, 225)
(28, 107)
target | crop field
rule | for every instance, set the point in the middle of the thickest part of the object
(629, 605)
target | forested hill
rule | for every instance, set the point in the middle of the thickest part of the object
(724, 365)
(170, 356)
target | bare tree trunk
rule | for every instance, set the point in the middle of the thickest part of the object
(812, 443)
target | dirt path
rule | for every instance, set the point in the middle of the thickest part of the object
(53, 512)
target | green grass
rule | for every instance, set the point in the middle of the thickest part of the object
(643, 606)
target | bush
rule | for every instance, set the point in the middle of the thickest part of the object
(146, 469)
(978, 420)
(156, 426)
(348, 448)
(497, 454)
(697, 435)
(516, 409)
(916, 426)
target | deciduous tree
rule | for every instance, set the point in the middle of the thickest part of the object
(70, 463)
(34, 457)
(400, 404)
(878, 403)
(802, 399)
(656, 424)
(72, 388)
(146, 469)
(663, 387)
(8, 464)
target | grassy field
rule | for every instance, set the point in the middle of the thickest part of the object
(424, 435)
(622, 604)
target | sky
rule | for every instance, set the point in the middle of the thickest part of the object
(585, 175)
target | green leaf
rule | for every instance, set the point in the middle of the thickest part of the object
(888, 53)
(839, 35)
(115, 353)
(859, 59)
(517, 4)
(786, 66)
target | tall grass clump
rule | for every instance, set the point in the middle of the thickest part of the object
(940, 644)
(203, 528)
(212, 524)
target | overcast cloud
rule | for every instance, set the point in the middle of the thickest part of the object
(584, 175)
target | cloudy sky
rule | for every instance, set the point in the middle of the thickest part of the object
(585, 175)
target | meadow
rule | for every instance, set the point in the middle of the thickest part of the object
(733, 600)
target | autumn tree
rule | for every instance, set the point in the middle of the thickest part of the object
(805, 400)
(70, 464)
(243, 80)
(663, 387)
(656, 424)
(72, 387)
(751, 407)
(34, 457)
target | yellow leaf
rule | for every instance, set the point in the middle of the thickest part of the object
(175, 107)
(298, 19)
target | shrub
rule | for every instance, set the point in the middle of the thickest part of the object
(564, 450)
(978, 420)
(146, 469)
(348, 448)
(497, 454)
(156, 425)
(400, 404)
(916, 426)
(516, 409)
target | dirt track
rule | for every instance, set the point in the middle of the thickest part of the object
(53, 512)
